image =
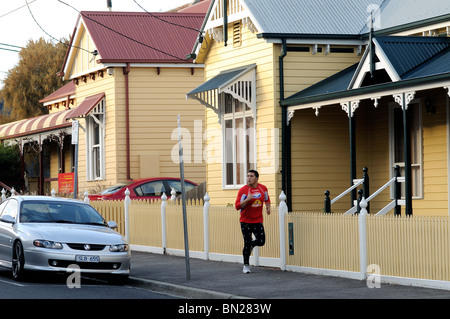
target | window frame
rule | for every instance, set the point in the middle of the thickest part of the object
(248, 147)
(416, 129)
(96, 171)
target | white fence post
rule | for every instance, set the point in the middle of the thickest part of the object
(173, 193)
(206, 206)
(163, 222)
(127, 203)
(363, 238)
(282, 211)
(86, 197)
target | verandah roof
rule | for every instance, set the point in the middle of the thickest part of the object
(427, 62)
(36, 125)
(49, 122)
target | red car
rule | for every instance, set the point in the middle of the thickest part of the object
(144, 188)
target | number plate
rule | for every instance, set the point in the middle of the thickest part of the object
(87, 258)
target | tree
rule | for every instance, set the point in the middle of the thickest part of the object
(10, 162)
(33, 78)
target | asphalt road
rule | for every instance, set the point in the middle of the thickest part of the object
(61, 286)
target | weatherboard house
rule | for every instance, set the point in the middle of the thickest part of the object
(128, 75)
(317, 94)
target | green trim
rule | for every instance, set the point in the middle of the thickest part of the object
(409, 26)
(365, 90)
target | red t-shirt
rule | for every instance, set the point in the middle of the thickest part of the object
(252, 212)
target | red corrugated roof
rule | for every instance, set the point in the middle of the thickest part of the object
(143, 37)
(64, 91)
(201, 7)
(86, 106)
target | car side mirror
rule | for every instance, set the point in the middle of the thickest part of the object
(8, 219)
(112, 224)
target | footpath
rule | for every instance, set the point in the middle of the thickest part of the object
(223, 280)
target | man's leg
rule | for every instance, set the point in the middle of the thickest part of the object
(260, 235)
(247, 234)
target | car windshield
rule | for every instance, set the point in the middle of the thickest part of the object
(175, 184)
(112, 189)
(59, 212)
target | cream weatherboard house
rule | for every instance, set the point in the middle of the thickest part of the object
(312, 92)
(128, 77)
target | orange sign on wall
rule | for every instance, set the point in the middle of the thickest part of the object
(66, 183)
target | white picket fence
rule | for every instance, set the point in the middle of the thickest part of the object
(405, 250)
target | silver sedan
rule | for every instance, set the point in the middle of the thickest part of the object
(58, 234)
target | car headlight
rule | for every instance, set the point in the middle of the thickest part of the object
(47, 244)
(118, 248)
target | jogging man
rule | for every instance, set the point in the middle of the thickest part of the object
(249, 201)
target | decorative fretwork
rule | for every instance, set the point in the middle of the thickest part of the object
(350, 107)
(408, 97)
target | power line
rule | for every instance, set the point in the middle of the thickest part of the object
(9, 50)
(11, 45)
(163, 20)
(4, 15)
(68, 45)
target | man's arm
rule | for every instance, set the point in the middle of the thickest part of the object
(247, 199)
(242, 199)
(267, 201)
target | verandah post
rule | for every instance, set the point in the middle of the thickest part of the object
(397, 192)
(327, 203)
(366, 187)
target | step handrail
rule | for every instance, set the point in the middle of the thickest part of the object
(356, 183)
(5, 186)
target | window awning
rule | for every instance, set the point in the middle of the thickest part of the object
(239, 82)
(36, 125)
(86, 106)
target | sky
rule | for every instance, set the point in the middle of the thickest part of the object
(55, 19)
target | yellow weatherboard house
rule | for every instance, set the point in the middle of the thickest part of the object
(318, 96)
(126, 89)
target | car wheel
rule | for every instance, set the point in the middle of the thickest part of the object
(18, 261)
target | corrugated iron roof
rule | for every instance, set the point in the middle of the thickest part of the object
(335, 83)
(200, 7)
(406, 53)
(341, 17)
(332, 17)
(143, 37)
(440, 64)
(222, 79)
(395, 13)
(86, 106)
(62, 92)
